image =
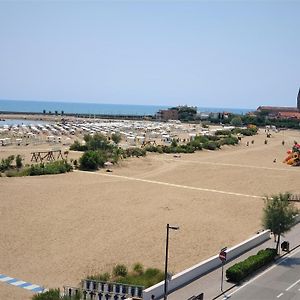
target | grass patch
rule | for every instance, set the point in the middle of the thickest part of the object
(137, 276)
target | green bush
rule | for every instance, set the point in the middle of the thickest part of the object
(223, 132)
(19, 163)
(97, 142)
(135, 151)
(92, 160)
(120, 270)
(100, 277)
(18, 172)
(56, 167)
(230, 140)
(53, 294)
(6, 163)
(76, 146)
(116, 137)
(138, 269)
(211, 145)
(137, 276)
(152, 148)
(196, 144)
(240, 270)
(246, 132)
(201, 139)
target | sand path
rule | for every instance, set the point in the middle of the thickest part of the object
(57, 229)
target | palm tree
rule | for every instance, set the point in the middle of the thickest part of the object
(279, 215)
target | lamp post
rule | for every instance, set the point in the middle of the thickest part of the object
(166, 261)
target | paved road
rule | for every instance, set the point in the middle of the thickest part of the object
(210, 283)
(281, 281)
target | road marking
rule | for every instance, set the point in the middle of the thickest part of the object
(291, 286)
(174, 185)
(265, 272)
(279, 295)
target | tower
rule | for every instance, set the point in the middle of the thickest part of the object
(298, 100)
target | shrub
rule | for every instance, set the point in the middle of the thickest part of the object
(151, 148)
(248, 132)
(76, 146)
(201, 139)
(230, 140)
(18, 173)
(19, 163)
(196, 144)
(52, 294)
(56, 167)
(6, 163)
(100, 277)
(138, 268)
(92, 160)
(120, 270)
(97, 142)
(136, 277)
(242, 269)
(211, 145)
(116, 137)
(135, 151)
(174, 143)
(223, 132)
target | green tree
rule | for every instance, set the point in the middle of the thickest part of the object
(116, 137)
(236, 121)
(279, 215)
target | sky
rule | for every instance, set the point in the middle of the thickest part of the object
(235, 54)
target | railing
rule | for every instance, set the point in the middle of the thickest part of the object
(101, 290)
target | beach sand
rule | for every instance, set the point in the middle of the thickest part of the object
(57, 229)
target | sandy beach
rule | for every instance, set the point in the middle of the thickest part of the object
(57, 229)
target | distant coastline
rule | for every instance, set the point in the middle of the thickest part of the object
(98, 109)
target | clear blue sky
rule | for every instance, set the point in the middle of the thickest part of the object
(214, 54)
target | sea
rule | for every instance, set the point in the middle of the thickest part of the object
(28, 106)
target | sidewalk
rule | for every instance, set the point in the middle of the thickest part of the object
(210, 284)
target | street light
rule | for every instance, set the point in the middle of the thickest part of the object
(166, 261)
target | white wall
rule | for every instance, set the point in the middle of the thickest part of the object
(204, 267)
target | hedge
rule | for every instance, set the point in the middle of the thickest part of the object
(240, 270)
